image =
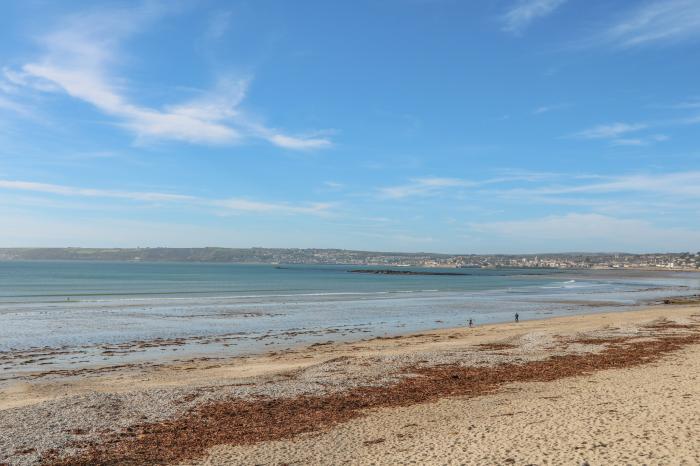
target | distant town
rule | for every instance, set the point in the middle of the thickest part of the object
(670, 261)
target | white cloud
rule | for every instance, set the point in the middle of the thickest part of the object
(680, 183)
(79, 57)
(610, 131)
(523, 12)
(395, 237)
(245, 205)
(645, 141)
(422, 187)
(88, 192)
(681, 186)
(629, 142)
(290, 142)
(219, 24)
(333, 185)
(547, 109)
(430, 186)
(413, 239)
(625, 134)
(13, 106)
(223, 206)
(189, 123)
(689, 104)
(44, 231)
(617, 133)
(587, 232)
(659, 21)
(677, 191)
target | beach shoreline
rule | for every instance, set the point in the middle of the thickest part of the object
(156, 394)
(128, 315)
(269, 363)
(173, 373)
(66, 364)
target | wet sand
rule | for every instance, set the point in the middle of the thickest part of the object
(643, 402)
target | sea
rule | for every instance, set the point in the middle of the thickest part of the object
(59, 315)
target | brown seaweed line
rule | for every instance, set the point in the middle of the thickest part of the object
(241, 422)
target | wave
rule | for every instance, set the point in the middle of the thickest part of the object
(571, 284)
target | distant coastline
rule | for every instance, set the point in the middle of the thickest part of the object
(680, 261)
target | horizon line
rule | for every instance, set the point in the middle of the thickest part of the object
(352, 250)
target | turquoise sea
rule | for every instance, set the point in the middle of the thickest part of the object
(79, 314)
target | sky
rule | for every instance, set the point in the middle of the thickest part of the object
(509, 126)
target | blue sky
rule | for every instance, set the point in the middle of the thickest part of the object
(413, 125)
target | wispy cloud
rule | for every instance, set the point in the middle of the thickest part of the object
(656, 22)
(88, 192)
(689, 104)
(245, 205)
(681, 186)
(222, 206)
(422, 187)
(679, 183)
(643, 141)
(524, 12)
(219, 24)
(547, 109)
(79, 58)
(15, 107)
(610, 131)
(286, 141)
(431, 186)
(333, 185)
(587, 231)
(397, 237)
(627, 134)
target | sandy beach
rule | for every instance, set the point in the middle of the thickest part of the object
(645, 415)
(597, 389)
(326, 233)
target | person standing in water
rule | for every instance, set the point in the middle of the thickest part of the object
(471, 323)
(517, 317)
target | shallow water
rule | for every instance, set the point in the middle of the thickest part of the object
(58, 315)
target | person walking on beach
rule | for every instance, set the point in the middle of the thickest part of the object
(517, 318)
(471, 323)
